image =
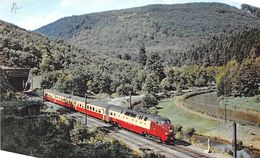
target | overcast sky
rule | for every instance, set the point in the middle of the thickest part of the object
(32, 14)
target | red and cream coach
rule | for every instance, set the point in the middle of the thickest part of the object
(152, 126)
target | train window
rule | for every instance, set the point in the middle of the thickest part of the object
(145, 118)
(93, 109)
(133, 115)
(165, 122)
(127, 113)
(114, 114)
(99, 111)
(87, 107)
(111, 113)
(157, 122)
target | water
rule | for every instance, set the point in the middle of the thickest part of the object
(226, 148)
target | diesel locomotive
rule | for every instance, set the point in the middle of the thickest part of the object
(152, 126)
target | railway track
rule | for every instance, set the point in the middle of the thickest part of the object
(133, 139)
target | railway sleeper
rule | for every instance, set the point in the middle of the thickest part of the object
(151, 137)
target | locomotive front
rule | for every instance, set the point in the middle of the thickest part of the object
(168, 133)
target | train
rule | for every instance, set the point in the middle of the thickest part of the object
(152, 126)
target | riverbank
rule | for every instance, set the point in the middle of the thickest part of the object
(208, 126)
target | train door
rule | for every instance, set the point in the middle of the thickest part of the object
(103, 114)
(107, 114)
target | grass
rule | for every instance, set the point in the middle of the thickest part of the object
(243, 103)
(180, 116)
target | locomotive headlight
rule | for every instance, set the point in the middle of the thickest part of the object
(166, 133)
(170, 130)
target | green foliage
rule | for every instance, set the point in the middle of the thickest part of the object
(178, 78)
(121, 31)
(124, 89)
(47, 60)
(190, 130)
(221, 48)
(178, 127)
(150, 100)
(53, 136)
(154, 65)
(239, 79)
(142, 55)
(153, 110)
(151, 84)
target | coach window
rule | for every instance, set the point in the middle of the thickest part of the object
(145, 118)
(114, 114)
(111, 113)
(99, 111)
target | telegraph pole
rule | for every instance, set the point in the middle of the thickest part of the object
(86, 109)
(235, 140)
(42, 94)
(23, 85)
(32, 83)
(130, 97)
(225, 113)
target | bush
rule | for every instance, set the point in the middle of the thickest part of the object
(190, 131)
(178, 127)
(153, 110)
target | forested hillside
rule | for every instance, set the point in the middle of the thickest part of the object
(164, 29)
(74, 69)
(62, 65)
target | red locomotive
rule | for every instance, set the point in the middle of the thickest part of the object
(155, 127)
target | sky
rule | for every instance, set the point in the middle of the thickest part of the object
(32, 14)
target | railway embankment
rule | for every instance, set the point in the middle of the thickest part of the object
(206, 104)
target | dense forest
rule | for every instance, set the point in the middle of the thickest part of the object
(170, 30)
(77, 70)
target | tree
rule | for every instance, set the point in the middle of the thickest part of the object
(154, 65)
(151, 84)
(248, 78)
(126, 56)
(142, 55)
(150, 100)
(47, 60)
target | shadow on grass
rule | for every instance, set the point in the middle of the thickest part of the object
(181, 142)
